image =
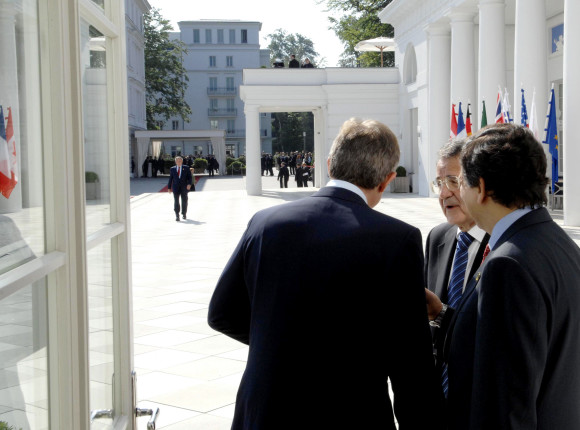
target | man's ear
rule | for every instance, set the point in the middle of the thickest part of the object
(387, 181)
(481, 193)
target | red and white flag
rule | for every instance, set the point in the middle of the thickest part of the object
(8, 160)
(453, 131)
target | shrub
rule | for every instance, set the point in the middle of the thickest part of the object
(90, 177)
(200, 163)
(401, 171)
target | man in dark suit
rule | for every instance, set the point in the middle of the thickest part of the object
(454, 249)
(512, 345)
(322, 347)
(179, 184)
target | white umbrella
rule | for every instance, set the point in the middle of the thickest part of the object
(378, 44)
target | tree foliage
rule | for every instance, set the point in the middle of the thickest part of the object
(165, 76)
(288, 129)
(359, 21)
(282, 45)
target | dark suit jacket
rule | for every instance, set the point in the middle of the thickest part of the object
(513, 345)
(322, 345)
(177, 184)
(439, 254)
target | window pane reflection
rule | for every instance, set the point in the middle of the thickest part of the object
(23, 358)
(96, 133)
(21, 170)
(101, 350)
(100, 3)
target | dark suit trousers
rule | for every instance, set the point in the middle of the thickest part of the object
(283, 182)
(183, 193)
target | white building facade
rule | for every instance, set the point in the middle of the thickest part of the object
(217, 53)
(136, 92)
(451, 51)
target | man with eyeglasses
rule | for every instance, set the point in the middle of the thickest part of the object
(453, 252)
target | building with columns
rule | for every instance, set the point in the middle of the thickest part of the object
(451, 51)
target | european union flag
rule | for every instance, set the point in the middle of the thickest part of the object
(552, 138)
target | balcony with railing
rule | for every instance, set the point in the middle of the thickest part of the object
(213, 113)
(241, 132)
(222, 92)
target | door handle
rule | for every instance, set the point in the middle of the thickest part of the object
(154, 413)
(145, 412)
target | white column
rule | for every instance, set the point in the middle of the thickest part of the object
(571, 113)
(531, 60)
(463, 86)
(321, 171)
(439, 47)
(253, 174)
(492, 64)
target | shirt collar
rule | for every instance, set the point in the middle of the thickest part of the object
(503, 224)
(347, 186)
(475, 232)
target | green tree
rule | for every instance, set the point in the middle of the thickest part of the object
(288, 129)
(360, 21)
(165, 76)
(282, 45)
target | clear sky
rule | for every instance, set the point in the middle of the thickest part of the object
(295, 16)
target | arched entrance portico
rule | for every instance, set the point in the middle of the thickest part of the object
(217, 138)
(333, 95)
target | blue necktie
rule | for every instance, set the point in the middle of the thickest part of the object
(455, 290)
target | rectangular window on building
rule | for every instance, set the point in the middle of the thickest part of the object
(214, 124)
(220, 36)
(244, 36)
(195, 36)
(208, 35)
(232, 36)
(213, 105)
(175, 125)
(212, 62)
(230, 61)
(231, 126)
(230, 83)
(230, 104)
(213, 83)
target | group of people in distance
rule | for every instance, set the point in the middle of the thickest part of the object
(302, 174)
(479, 332)
(294, 63)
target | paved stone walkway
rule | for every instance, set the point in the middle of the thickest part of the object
(190, 371)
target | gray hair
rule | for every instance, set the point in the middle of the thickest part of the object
(363, 153)
(452, 148)
(179, 156)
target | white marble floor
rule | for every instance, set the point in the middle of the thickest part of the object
(190, 371)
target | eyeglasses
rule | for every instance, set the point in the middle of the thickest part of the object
(451, 182)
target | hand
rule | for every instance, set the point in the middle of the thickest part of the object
(169, 190)
(188, 187)
(434, 305)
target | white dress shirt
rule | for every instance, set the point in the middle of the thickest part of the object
(347, 186)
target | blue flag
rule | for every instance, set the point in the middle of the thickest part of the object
(461, 132)
(552, 138)
(525, 122)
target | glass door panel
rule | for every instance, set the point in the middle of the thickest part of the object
(24, 402)
(101, 335)
(96, 127)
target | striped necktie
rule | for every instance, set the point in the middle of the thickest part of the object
(455, 290)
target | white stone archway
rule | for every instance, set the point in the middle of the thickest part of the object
(332, 94)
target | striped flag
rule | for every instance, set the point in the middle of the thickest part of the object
(552, 137)
(12, 155)
(453, 131)
(5, 175)
(468, 121)
(460, 124)
(483, 116)
(506, 107)
(499, 110)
